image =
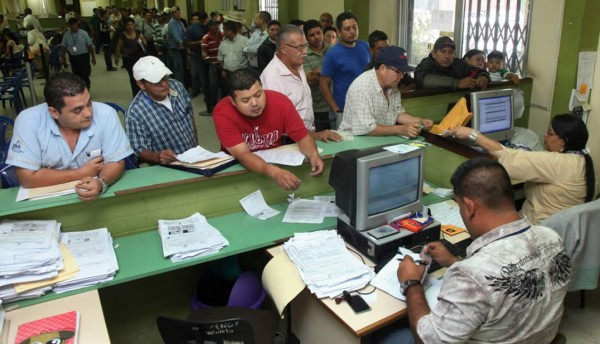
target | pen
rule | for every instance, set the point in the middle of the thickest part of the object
(418, 261)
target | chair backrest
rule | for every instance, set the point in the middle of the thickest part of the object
(117, 108)
(220, 325)
(578, 227)
(8, 176)
(5, 122)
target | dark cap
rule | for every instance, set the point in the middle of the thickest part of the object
(444, 41)
(72, 21)
(213, 22)
(394, 56)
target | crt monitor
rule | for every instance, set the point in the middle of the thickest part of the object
(373, 186)
(493, 113)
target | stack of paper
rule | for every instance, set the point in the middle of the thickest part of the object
(325, 264)
(189, 237)
(201, 158)
(93, 251)
(29, 251)
(46, 191)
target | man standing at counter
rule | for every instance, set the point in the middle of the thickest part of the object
(69, 138)
(159, 121)
(373, 104)
(441, 69)
(252, 119)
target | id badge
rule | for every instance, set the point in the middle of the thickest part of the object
(74, 49)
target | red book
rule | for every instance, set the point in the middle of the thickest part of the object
(62, 326)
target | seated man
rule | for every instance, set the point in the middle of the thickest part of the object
(285, 74)
(69, 138)
(441, 69)
(511, 285)
(252, 119)
(373, 104)
(159, 121)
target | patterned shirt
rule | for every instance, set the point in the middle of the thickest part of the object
(230, 52)
(153, 127)
(210, 46)
(367, 106)
(157, 34)
(314, 60)
(509, 289)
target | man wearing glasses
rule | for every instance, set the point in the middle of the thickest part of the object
(159, 121)
(285, 74)
(373, 104)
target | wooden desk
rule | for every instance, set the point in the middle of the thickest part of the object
(92, 328)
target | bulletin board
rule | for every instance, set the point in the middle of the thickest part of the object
(87, 7)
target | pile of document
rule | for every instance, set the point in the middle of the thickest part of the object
(93, 251)
(325, 264)
(190, 237)
(201, 158)
(29, 252)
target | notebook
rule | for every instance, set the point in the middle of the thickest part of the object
(63, 326)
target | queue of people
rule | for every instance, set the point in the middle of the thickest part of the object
(294, 95)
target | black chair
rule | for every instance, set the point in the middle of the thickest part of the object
(220, 325)
(5, 122)
(131, 161)
(8, 176)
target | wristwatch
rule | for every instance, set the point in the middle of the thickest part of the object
(404, 286)
(104, 184)
(473, 135)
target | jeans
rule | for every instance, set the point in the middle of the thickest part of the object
(214, 84)
(177, 64)
(107, 54)
(80, 65)
(393, 335)
(198, 73)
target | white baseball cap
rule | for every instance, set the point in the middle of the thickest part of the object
(150, 68)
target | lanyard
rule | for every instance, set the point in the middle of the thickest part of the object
(74, 37)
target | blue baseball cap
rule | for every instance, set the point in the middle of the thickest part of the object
(394, 56)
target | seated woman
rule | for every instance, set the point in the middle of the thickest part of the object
(558, 178)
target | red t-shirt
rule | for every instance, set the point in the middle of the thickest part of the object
(263, 132)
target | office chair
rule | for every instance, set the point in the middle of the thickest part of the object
(8, 176)
(5, 122)
(131, 161)
(220, 325)
(578, 227)
(117, 108)
(247, 291)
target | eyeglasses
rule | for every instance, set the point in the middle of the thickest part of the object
(395, 70)
(299, 47)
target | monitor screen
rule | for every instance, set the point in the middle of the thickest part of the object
(374, 186)
(393, 185)
(495, 114)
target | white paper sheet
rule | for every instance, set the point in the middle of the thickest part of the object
(305, 211)
(254, 204)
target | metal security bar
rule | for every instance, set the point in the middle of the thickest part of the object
(271, 6)
(501, 25)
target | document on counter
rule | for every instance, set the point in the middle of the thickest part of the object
(254, 204)
(447, 213)
(305, 211)
(331, 210)
(288, 155)
(196, 154)
(46, 191)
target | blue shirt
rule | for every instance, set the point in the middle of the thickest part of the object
(343, 64)
(195, 33)
(153, 127)
(76, 43)
(37, 142)
(175, 33)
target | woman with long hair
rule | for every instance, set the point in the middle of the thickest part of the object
(131, 44)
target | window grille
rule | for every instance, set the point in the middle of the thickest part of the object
(271, 6)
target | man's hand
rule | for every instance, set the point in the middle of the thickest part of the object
(408, 270)
(93, 58)
(482, 82)
(284, 178)
(467, 82)
(440, 254)
(327, 135)
(427, 124)
(459, 132)
(316, 166)
(93, 167)
(88, 189)
(166, 157)
(410, 129)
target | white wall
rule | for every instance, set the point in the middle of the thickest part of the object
(542, 60)
(384, 16)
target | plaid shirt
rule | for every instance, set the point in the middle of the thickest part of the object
(314, 60)
(152, 126)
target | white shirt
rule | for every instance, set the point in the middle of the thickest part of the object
(254, 42)
(277, 77)
(30, 19)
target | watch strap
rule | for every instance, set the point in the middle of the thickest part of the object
(104, 184)
(407, 284)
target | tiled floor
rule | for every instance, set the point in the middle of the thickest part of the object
(580, 326)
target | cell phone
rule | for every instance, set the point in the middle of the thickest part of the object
(357, 303)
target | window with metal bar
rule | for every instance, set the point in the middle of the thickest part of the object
(486, 25)
(271, 6)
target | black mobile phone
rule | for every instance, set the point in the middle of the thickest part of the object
(357, 303)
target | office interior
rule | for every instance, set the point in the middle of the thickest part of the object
(559, 30)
